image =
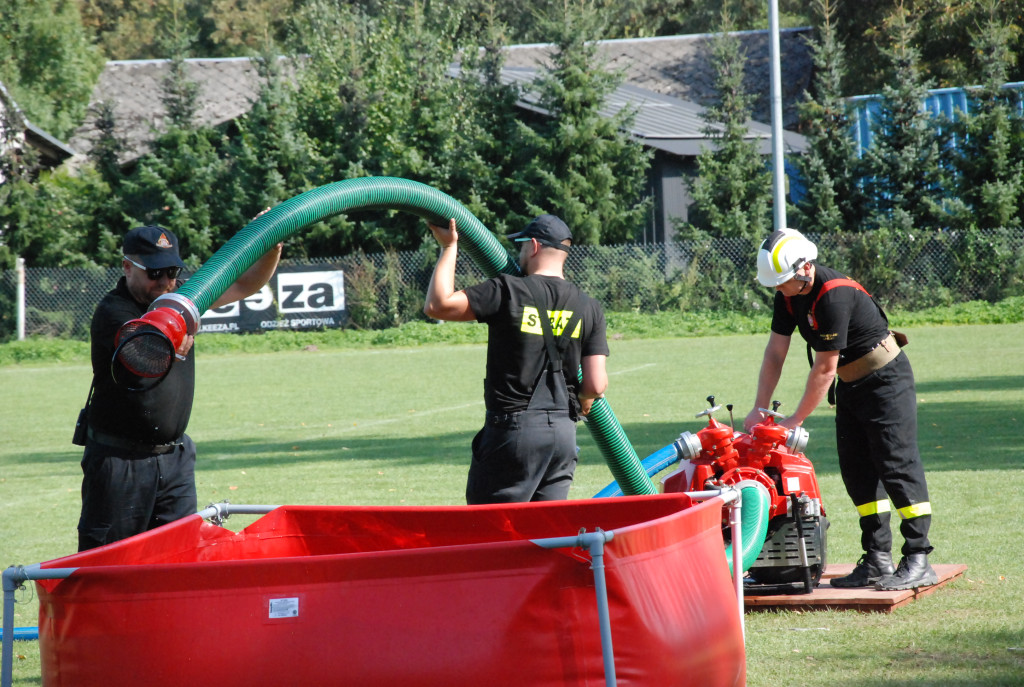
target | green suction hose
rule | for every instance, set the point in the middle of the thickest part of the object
(370, 193)
(622, 459)
(390, 193)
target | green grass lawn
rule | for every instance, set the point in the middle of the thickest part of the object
(386, 426)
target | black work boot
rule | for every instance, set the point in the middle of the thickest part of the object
(872, 566)
(912, 572)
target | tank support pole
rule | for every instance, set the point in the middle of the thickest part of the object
(736, 523)
(11, 583)
(734, 501)
(13, 578)
(594, 543)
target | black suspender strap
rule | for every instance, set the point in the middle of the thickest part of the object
(554, 350)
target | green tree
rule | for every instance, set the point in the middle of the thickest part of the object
(905, 180)
(331, 98)
(490, 129)
(180, 95)
(732, 193)
(179, 184)
(47, 62)
(49, 221)
(833, 200)
(671, 17)
(137, 29)
(250, 26)
(45, 217)
(580, 163)
(105, 157)
(943, 39)
(123, 29)
(989, 155)
(106, 151)
(377, 98)
(524, 19)
(270, 156)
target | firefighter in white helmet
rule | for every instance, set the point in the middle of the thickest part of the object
(876, 403)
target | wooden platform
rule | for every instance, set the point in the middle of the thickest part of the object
(825, 596)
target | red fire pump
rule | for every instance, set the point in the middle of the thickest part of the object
(793, 556)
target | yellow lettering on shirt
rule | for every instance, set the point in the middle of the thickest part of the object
(558, 318)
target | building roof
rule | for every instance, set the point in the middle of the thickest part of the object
(662, 122)
(680, 66)
(51, 150)
(227, 89)
(669, 76)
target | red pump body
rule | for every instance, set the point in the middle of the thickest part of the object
(729, 457)
(793, 557)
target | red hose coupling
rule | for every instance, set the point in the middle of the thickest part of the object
(145, 346)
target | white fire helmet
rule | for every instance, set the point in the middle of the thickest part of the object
(781, 255)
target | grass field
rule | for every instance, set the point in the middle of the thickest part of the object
(393, 426)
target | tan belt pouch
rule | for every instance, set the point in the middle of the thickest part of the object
(875, 359)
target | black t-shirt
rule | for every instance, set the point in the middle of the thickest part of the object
(155, 416)
(516, 353)
(847, 319)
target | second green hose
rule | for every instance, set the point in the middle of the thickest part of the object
(391, 193)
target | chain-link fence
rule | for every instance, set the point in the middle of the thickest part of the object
(386, 289)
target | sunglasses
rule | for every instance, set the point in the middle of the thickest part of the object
(154, 274)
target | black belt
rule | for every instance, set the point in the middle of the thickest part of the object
(130, 444)
(501, 419)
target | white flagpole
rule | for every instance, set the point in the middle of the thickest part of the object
(778, 163)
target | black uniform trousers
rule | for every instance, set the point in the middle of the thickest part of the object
(876, 438)
(125, 493)
(527, 455)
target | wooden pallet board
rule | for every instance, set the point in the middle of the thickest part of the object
(827, 597)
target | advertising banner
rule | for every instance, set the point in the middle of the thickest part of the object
(296, 297)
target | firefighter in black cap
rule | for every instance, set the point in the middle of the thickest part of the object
(138, 464)
(876, 403)
(541, 331)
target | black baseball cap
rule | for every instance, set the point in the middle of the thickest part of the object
(153, 246)
(548, 230)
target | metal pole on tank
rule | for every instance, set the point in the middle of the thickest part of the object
(778, 162)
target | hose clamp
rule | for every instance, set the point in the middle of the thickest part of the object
(181, 305)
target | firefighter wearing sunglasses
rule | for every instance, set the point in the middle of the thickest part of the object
(139, 465)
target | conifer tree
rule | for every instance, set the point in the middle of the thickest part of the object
(833, 201)
(989, 152)
(179, 94)
(490, 129)
(104, 236)
(179, 184)
(105, 153)
(377, 98)
(732, 193)
(904, 179)
(270, 158)
(579, 163)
